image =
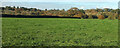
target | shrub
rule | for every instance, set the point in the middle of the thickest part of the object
(90, 17)
(119, 17)
(101, 17)
(111, 17)
(80, 15)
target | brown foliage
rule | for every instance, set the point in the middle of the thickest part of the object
(101, 17)
(119, 17)
(90, 17)
(80, 15)
(73, 12)
(112, 16)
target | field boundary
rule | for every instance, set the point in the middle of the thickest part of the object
(28, 16)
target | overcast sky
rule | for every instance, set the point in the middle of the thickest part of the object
(60, 0)
(92, 3)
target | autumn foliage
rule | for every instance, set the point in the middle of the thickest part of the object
(119, 17)
(80, 15)
(72, 12)
(101, 17)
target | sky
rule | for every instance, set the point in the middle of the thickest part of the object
(62, 4)
(60, 0)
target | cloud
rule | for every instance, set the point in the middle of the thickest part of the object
(106, 7)
(98, 7)
(82, 7)
(102, 7)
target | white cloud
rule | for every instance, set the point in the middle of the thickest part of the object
(98, 7)
(82, 7)
(106, 7)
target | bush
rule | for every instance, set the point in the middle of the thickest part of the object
(119, 17)
(101, 17)
(90, 17)
(111, 17)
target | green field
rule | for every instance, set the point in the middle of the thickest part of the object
(59, 32)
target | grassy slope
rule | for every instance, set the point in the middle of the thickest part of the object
(57, 31)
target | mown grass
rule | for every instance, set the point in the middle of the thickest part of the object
(59, 32)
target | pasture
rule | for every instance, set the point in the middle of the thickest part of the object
(59, 32)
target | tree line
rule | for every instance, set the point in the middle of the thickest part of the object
(105, 13)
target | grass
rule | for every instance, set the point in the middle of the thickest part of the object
(59, 32)
(0, 31)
